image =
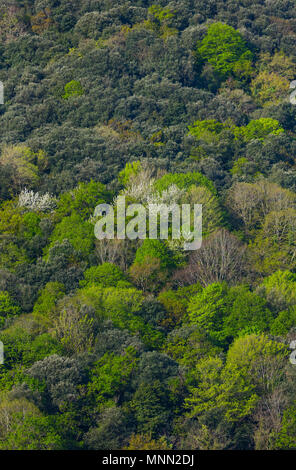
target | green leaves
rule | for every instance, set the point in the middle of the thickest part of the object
(106, 275)
(210, 130)
(209, 308)
(232, 389)
(79, 233)
(82, 200)
(226, 313)
(7, 308)
(258, 129)
(72, 89)
(183, 181)
(225, 49)
(110, 375)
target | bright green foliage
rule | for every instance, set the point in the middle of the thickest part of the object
(106, 275)
(274, 246)
(183, 181)
(42, 346)
(45, 305)
(23, 347)
(154, 249)
(225, 49)
(207, 130)
(248, 310)
(129, 172)
(7, 308)
(33, 433)
(79, 233)
(258, 129)
(226, 313)
(31, 225)
(210, 130)
(222, 390)
(233, 389)
(11, 225)
(159, 13)
(159, 21)
(284, 322)
(16, 340)
(279, 289)
(110, 376)
(209, 308)
(73, 88)
(122, 306)
(247, 352)
(287, 435)
(83, 199)
(10, 218)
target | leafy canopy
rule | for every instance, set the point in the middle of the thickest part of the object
(224, 48)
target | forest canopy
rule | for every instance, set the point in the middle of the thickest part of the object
(120, 344)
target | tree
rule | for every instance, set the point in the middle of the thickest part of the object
(73, 88)
(111, 432)
(284, 322)
(207, 130)
(82, 200)
(107, 275)
(258, 129)
(212, 214)
(7, 308)
(12, 412)
(110, 377)
(23, 163)
(152, 265)
(248, 312)
(34, 433)
(221, 258)
(279, 289)
(183, 181)
(274, 245)
(145, 442)
(269, 88)
(234, 390)
(286, 435)
(129, 173)
(175, 304)
(153, 407)
(221, 390)
(208, 310)
(78, 232)
(45, 306)
(253, 201)
(59, 378)
(75, 329)
(225, 49)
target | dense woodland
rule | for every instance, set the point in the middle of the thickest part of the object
(119, 344)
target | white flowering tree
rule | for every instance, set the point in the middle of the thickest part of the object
(35, 201)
